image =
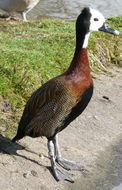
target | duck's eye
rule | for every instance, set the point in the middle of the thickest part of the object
(96, 19)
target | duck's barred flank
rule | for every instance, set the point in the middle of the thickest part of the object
(51, 108)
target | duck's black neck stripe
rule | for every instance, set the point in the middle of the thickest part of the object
(82, 28)
(82, 42)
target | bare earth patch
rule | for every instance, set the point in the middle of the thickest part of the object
(25, 165)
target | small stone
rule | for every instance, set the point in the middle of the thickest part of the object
(27, 174)
(105, 97)
(96, 117)
(41, 156)
(34, 173)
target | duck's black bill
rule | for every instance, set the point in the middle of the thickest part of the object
(105, 28)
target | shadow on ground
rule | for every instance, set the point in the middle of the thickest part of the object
(8, 147)
(107, 173)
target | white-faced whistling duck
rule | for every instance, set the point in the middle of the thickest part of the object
(21, 6)
(53, 106)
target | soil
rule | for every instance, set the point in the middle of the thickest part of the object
(26, 165)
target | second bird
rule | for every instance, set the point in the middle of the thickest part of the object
(20, 6)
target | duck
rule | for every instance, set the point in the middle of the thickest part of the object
(21, 6)
(53, 106)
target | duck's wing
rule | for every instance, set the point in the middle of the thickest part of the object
(40, 98)
(46, 105)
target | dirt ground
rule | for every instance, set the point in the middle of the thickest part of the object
(84, 140)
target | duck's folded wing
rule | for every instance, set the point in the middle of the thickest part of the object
(44, 103)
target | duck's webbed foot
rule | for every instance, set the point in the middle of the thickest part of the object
(66, 164)
(58, 173)
(62, 175)
(69, 165)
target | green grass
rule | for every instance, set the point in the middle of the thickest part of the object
(31, 53)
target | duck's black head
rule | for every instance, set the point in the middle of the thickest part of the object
(88, 21)
(83, 21)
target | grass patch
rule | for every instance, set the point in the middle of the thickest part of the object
(31, 53)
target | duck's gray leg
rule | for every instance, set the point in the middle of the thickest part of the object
(58, 174)
(66, 164)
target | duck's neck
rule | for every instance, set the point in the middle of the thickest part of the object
(80, 62)
(81, 41)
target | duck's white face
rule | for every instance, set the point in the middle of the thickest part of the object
(92, 20)
(96, 21)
